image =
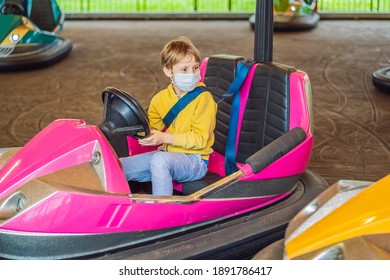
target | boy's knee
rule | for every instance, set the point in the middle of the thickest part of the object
(159, 160)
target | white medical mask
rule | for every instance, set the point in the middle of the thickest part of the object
(186, 82)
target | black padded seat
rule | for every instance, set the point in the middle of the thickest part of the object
(266, 115)
(267, 111)
(220, 73)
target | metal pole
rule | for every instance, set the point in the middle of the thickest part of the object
(264, 29)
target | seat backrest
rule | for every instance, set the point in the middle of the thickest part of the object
(17, 7)
(42, 15)
(264, 99)
(267, 109)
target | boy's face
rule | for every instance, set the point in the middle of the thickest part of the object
(188, 65)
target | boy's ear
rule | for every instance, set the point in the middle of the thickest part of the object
(167, 72)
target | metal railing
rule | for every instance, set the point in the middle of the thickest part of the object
(354, 6)
(214, 6)
(157, 5)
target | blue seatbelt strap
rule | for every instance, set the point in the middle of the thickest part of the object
(241, 73)
(234, 89)
(181, 104)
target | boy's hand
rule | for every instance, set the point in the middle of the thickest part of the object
(156, 138)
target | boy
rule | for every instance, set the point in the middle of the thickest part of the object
(185, 145)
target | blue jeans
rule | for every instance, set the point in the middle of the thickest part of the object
(161, 168)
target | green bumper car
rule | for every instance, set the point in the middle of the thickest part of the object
(29, 34)
(381, 79)
(293, 15)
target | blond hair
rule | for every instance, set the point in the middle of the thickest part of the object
(177, 50)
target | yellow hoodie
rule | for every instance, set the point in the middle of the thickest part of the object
(193, 128)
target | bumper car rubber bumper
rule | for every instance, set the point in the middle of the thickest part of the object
(381, 79)
(41, 57)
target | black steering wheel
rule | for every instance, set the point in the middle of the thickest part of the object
(12, 8)
(123, 115)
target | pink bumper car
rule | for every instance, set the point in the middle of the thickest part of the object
(63, 195)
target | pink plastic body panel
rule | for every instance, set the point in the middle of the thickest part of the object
(202, 68)
(88, 213)
(61, 144)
